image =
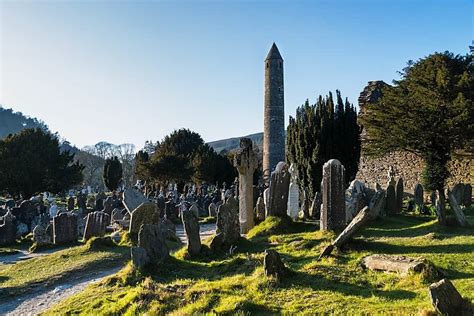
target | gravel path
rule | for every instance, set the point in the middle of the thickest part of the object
(44, 298)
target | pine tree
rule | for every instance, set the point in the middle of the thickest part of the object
(112, 173)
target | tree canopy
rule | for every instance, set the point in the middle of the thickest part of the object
(323, 131)
(112, 173)
(32, 162)
(427, 112)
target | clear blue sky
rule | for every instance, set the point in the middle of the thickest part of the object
(126, 72)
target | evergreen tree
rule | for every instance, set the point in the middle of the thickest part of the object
(31, 162)
(112, 173)
(323, 131)
(427, 112)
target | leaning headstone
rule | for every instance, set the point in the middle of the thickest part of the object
(246, 162)
(260, 209)
(399, 195)
(96, 224)
(458, 213)
(70, 204)
(191, 227)
(333, 213)
(227, 226)
(7, 229)
(293, 194)
(446, 299)
(418, 195)
(145, 213)
(377, 205)
(64, 228)
(278, 195)
(391, 200)
(152, 249)
(132, 199)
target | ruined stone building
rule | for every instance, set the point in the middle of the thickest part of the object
(274, 112)
(406, 165)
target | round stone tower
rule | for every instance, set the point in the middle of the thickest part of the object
(274, 112)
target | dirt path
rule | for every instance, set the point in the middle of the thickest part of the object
(44, 298)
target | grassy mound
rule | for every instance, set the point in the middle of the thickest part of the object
(236, 284)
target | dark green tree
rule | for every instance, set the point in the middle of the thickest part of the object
(323, 131)
(428, 112)
(31, 162)
(112, 173)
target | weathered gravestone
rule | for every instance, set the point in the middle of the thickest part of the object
(227, 226)
(152, 249)
(315, 209)
(195, 209)
(266, 200)
(82, 201)
(260, 209)
(132, 199)
(419, 196)
(96, 224)
(99, 204)
(109, 205)
(439, 203)
(246, 162)
(273, 266)
(145, 213)
(293, 194)
(191, 227)
(399, 192)
(70, 204)
(41, 236)
(7, 229)
(278, 195)
(212, 209)
(446, 299)
(333, 212)
(391, 200)
(355, 199)
(64, 228)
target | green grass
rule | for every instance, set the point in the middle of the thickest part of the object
(54, 268)
(8, 251)
(236, 284)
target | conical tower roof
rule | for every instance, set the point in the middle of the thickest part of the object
(274, 53)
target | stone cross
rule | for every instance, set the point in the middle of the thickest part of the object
(293, 194)
(246, 162)
(333, 213)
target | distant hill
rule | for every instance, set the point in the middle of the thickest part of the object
(232, 144)
(13, 122)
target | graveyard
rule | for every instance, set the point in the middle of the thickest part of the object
(354, 203)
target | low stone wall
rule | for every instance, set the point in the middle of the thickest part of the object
(410, 168)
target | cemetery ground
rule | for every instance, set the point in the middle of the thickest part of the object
(236, 283)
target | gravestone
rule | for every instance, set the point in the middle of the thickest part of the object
(260, 209)
(273, 266)
(355, 199)
(315, 209)
(212, 209)
(195, 209)
(41, 236)
(399, 195)
(152, 249)
(145, 213)
(278, 195)
(116, 215)
(64, 228)
(191, 228)
(293, 194)
(82, 201)
(99, 204)
(70, 204)
(109, 205)
(266, 200)
(391, 200)
(227, 225)
(96, 224)
(333, 212)
(246, 162)
(7, 229)
(418, 195)
(132, 199)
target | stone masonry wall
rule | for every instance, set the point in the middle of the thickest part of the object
(410, 167)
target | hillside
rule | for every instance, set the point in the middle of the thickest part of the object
(12, 122)
(231, 144)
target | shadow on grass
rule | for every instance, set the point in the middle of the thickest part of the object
(320, 283)
(386, 248)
